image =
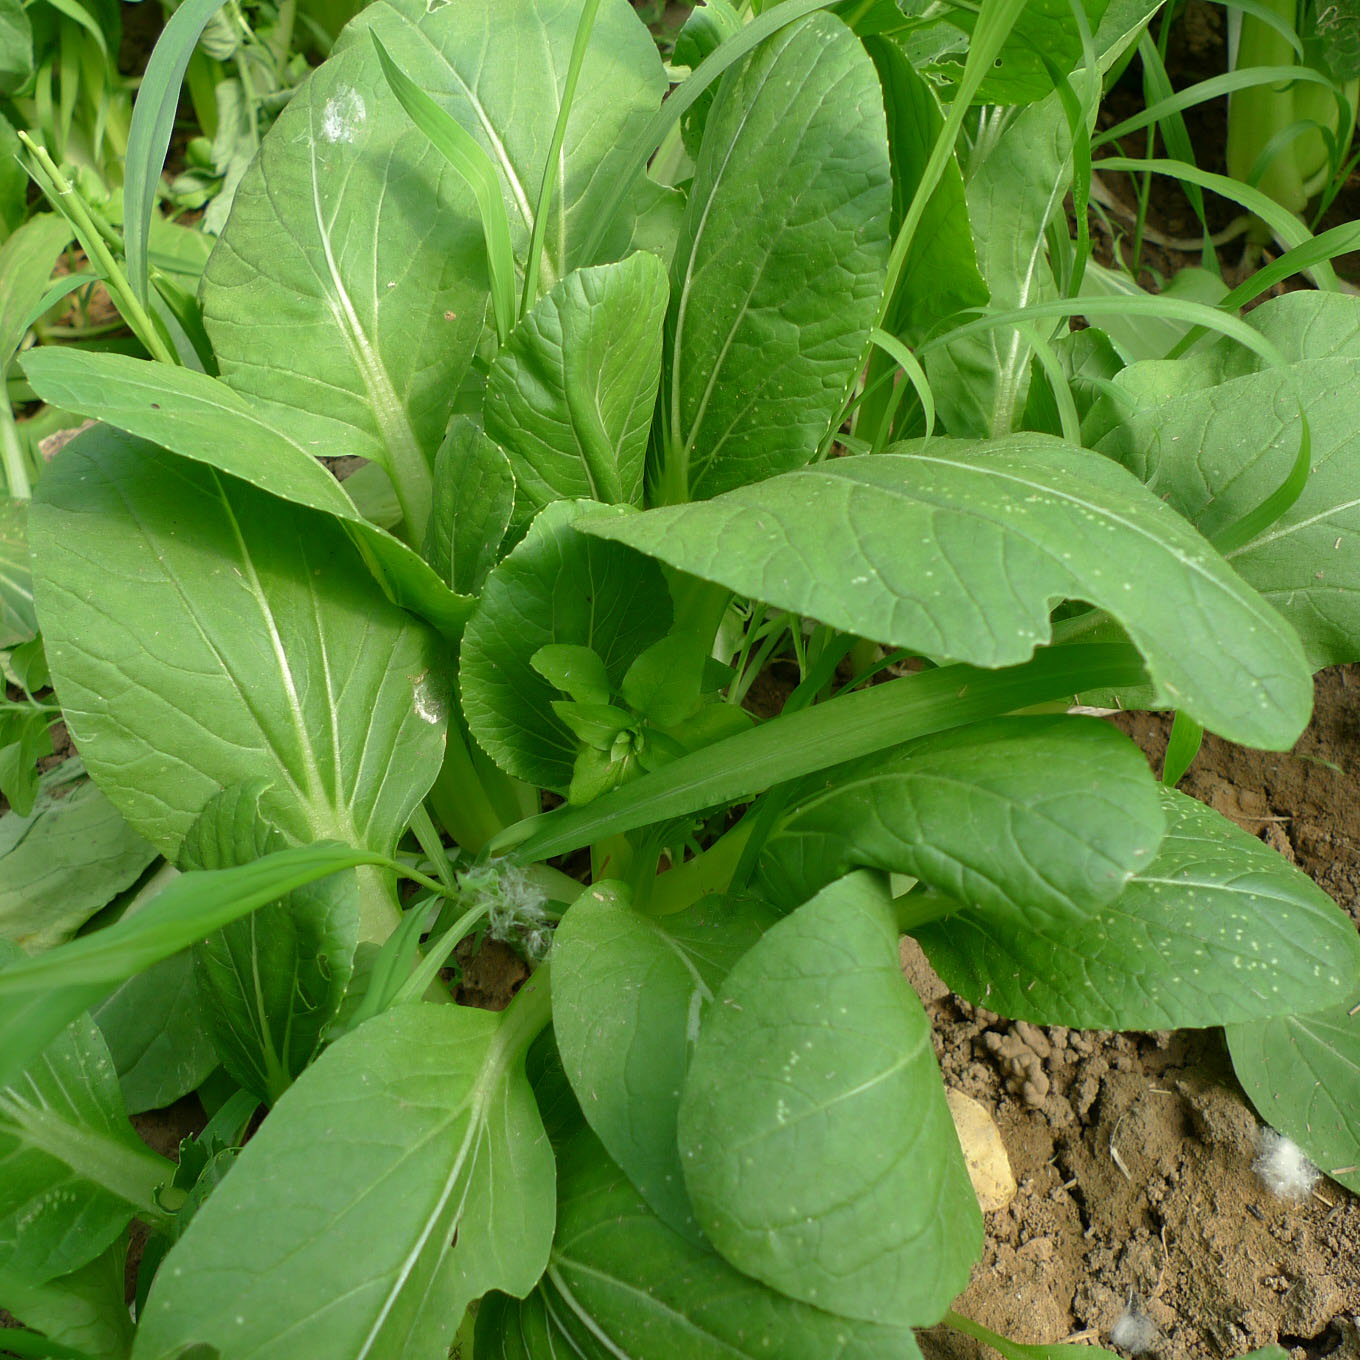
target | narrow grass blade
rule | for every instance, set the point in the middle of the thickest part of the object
(40, 996)
(578, 51)
(842, 729)
(1181, 749)
(153, 120)
(465, 154)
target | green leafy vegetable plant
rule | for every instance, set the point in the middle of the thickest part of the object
(626, 435)
(1292, 136)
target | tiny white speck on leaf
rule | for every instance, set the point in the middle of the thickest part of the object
(1282, 1167)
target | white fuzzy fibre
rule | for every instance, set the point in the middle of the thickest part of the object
(1135, 1332)
(1283, 1168)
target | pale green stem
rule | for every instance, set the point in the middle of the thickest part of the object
(133, 1174)
(72, 207)
(12, 456)
(919, 907)
(701, 876)
(459, 799)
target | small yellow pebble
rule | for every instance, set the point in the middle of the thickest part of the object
(989, 1168)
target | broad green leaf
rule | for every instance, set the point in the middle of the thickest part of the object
(346, 293)
(26, 261)
(474, 497)
(205, 633)
(157, 1036)
(621, 1283)
(1042, 817)
(72, 1171)
(781, 262)
(1045, 39)
(959, 549)
(40, 996)
(17, 620)
(272, 981)
(201, 418)
(353, 256)
(1302, 1072)
(16, 47)
(501, 71)
(629, 992)
(85, 1310)
(63, 862)
(941, 275)
(1217, 435)
(1218, 929)
(557, 586)
(570, 394)
(817, 1055)
(405, 1173)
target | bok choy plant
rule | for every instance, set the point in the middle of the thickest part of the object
(648, 392)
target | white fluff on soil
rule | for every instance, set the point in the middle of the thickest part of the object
(1283, 1168)
(1135, 1332)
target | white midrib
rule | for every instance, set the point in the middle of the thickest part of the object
(411, 475)
(478, 1100)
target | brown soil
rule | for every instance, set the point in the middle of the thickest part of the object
(1133, 1152)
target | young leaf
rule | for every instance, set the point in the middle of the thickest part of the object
(405, 1173)
(201, 418)
(781, 263)
(271, 982)
(904, 548)
(1216, 437)
(72, 1171)
(629, 992)
(474, 497)
(26, 261)
(40, 996)
(64, 861)
(570, 395)
(209, 633)
(157, 1036)
(1217, 929)
(708, 26)
(1030, 817)
(557, 586)
(86, 1310)
(620, 1282)
(1302, 1072)
(816, 1053)
(980, 381)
